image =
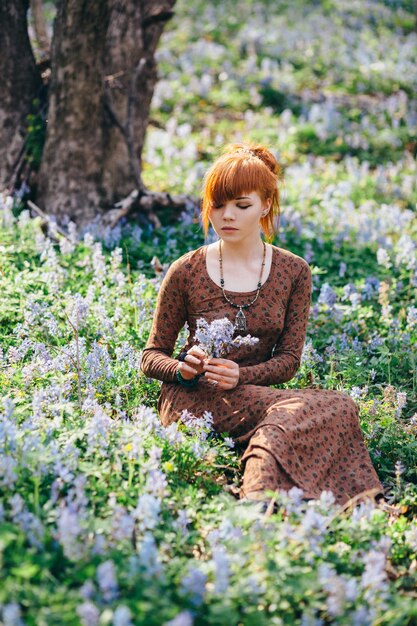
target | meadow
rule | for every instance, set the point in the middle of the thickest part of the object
(106, 517)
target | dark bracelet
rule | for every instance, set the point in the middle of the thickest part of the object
(187, 383)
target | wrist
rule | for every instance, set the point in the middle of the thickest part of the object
(191, 382)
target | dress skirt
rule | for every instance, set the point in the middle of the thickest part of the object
(308, 438)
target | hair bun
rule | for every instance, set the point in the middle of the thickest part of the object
(256, 150)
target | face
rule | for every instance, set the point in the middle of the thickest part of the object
(239, 218)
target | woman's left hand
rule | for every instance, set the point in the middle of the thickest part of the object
(223, 372)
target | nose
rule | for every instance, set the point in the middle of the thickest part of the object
(228, 212)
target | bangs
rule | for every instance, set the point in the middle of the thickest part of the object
(233, 179)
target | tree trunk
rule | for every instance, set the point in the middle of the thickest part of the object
(20, 83)
(39, 27)
(103, 76)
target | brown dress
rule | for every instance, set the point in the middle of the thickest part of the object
(309, 438)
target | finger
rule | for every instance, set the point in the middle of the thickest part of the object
(217, 369)
(215, 383)
(192, 359)
(224, 362)
(195, 350)
(187, 369)
(219, 378)
(196, 356)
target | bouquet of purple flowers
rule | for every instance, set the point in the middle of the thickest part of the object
(216, 339)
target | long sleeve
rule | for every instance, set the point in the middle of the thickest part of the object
(170, 316)
(281, 367)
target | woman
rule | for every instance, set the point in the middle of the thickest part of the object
(310, 438)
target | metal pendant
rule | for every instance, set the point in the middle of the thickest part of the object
(240, 321)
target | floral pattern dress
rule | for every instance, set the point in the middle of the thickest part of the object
(309, 438)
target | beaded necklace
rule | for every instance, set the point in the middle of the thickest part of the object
(240, 320)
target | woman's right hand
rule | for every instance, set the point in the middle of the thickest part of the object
(193, 363)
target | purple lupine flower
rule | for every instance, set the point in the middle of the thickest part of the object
(65, 246)
(122, 616)
(87, 590)
(122, 523)
(327, 296)
(27, 521)
(348, 290)
(88, 240)
(339, 589)
(107, 580)
(327, 499)
(364, 510)
(411, 536)
(98, 363)
(147, 419)
(156, 483)
(78, 310)
(98, 431)
(342, 269)
(371, 287)
(8, 470)
(116, 276)
(147, 511)
(216, 338)
(374, 578)
(181, 522)
(153, 461)
(309, 355)
(88, 613)
(11, 615)
(375, 343)
(99, 263)
(128, 356)
(184, 618)
(406, 252)
(355, 299)
(70, 534)
(411, 317)
(194, 584)
(172, 434)
(200, 426)
(383, 258)
(399, 469)
(18, 353)
(149, 556)
(401, 401)
(221, 569)
(358, 392)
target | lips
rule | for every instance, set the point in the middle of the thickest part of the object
(228, 228)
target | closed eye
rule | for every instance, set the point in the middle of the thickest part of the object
(239, 206)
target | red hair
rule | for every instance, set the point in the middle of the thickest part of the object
(243, 168)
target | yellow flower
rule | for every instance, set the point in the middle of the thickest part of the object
(168, 466)
(128, 447)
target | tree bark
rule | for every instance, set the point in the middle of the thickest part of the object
(20, 83)
(103, 77)
(39, 27)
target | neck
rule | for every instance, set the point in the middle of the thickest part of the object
(245, 250)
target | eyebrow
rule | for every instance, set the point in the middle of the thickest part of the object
(242, 198)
